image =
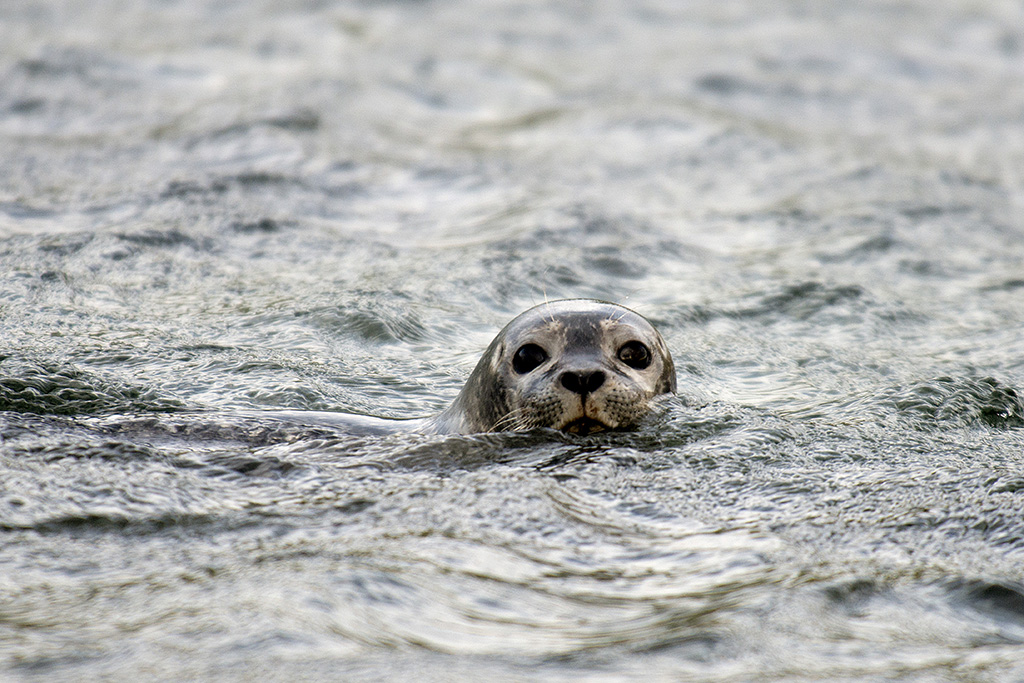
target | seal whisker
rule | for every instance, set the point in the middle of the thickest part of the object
(515, 421)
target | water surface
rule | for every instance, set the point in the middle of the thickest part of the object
(208, 208)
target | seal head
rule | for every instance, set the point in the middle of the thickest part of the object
(577, 365)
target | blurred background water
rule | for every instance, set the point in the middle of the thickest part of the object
(208, 207)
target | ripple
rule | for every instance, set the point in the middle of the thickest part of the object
(962, 401)
(51, 389)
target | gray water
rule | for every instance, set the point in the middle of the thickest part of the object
(213, 207)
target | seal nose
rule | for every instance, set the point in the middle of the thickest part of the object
(583, 382)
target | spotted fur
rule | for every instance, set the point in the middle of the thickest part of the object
(578, 336)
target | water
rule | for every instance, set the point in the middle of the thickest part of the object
(207, 208)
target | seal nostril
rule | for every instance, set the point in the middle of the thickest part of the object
(583, 382)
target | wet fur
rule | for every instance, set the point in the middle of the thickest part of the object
(579, 334)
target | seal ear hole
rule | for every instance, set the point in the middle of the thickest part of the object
(528, 357)
(635, 355)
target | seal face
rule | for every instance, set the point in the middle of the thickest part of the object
(578, 365)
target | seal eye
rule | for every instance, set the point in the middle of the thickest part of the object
(635, 355)
(528, 357)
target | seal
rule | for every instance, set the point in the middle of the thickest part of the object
(575, 365)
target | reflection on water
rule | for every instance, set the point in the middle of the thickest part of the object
(211, 208)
